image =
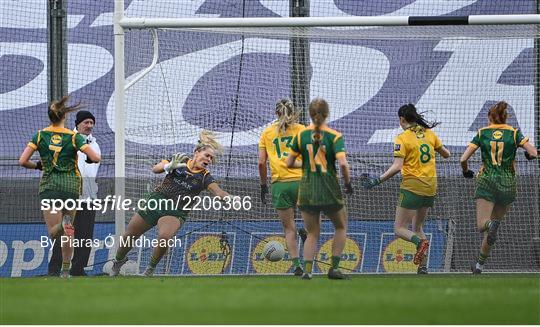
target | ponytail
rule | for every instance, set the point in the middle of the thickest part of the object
(287, 114)
(58, 109)
(206, 140)
(318, 111)
(497, 113)
(410, 114)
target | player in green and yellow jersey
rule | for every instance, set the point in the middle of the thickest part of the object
(414, 156)
(319, 190)
(496, 181)
(275, 146)
(57, 147)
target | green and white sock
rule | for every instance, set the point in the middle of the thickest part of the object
(296, 262)
(482, 258)
(416, 240)
(487, 224)
(119, 257)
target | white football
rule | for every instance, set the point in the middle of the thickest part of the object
(273, 251)
(130, 268)
(107, 267)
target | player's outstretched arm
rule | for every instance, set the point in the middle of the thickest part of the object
(178, 160)
(369, 182)
(443, 151)
(395, 168)
(467, 173)
(24, 159)
(530, 151)
(217, 191)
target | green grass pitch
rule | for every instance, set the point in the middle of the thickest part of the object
(365, 299)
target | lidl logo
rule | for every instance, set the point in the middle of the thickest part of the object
(56, 139)
(497, 135)
(350, 258)
(398, 256)
(205, 256)
(263, 266)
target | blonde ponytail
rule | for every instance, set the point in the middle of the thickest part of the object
(287, 114)
(208, 139)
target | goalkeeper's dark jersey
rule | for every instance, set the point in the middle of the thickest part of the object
(58, 148)
(184, 181)
(319, 184)
(498, 145)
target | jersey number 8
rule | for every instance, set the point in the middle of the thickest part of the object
(425, 155)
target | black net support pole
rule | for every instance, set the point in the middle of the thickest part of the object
(300, 72)
(56, 49)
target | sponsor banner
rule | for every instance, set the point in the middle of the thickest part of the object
(208, 254)
(351, 258)
(25, 250)
(206, 248)
(258, 264)
(397, 255)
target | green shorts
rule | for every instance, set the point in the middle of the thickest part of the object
(285, 194)
(500, 191)
(315, 210)
(152, 214)
(413, 201)
(57, 195)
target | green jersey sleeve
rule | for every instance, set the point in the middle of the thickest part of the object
(79, 142)
(34, 141)
(339, 144)
(476, 140)
(520, 138)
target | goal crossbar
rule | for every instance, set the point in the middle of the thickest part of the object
(141, 23)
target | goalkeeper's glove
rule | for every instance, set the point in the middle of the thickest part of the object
(39, 165)
(468, 174)
(178, 160)
(369, 182)
(349, 189)
(528, 156)
(264, 191)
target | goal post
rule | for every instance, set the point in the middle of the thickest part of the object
(452, 67)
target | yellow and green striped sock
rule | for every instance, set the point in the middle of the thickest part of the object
(154, 261)
(308, 266)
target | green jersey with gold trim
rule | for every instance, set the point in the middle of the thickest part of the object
(498, 145)
(319, 185)
(58, 148)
